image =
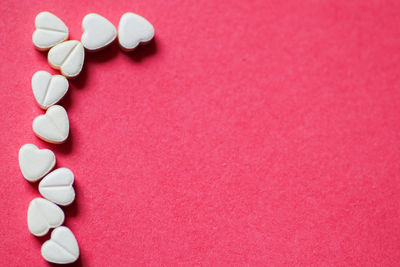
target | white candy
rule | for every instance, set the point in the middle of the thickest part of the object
(50, 30)
(98, 32)
(52, 127)
(133, 30)
(43, 215)
(48, 89)
(57, 186)
(68, 57)
(34, 162)
(62, 247)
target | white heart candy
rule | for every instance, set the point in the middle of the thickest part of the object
(98, 32)
(68, 57)
(57, 186)
(62, 247)
(34, 162)
(52, 127)
(133, 30)
(50, 30)
(48, 89)
(43, 215)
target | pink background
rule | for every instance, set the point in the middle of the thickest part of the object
(249, 133)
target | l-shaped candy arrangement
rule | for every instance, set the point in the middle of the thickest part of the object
(56, 187)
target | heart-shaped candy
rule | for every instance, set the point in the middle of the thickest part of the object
(133, 30)
(62, 247)
(43, 215)
(52, 127)
(50, 30)
(98, 32)
(48, 89)
(57, 186)
(34, 162)
(68, 57)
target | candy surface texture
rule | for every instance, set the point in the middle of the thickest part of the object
(62, 247)
(68, 57)
(52, 127)
(57, 186)
(133, 30)
(98, 32)
(43, 215)
(34, 162)
(48, 89)
(50, 31)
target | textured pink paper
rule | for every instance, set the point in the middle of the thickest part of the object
(250, 133)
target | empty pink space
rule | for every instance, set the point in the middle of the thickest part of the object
(249, 133)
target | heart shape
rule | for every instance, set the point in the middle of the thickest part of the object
(98, 32)
(48, 89)
(52, 127)
(50, 30)
(133, 30)
(43, 215)
(57, 186)
(34, 162)
(68, 57)
(62, 247)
